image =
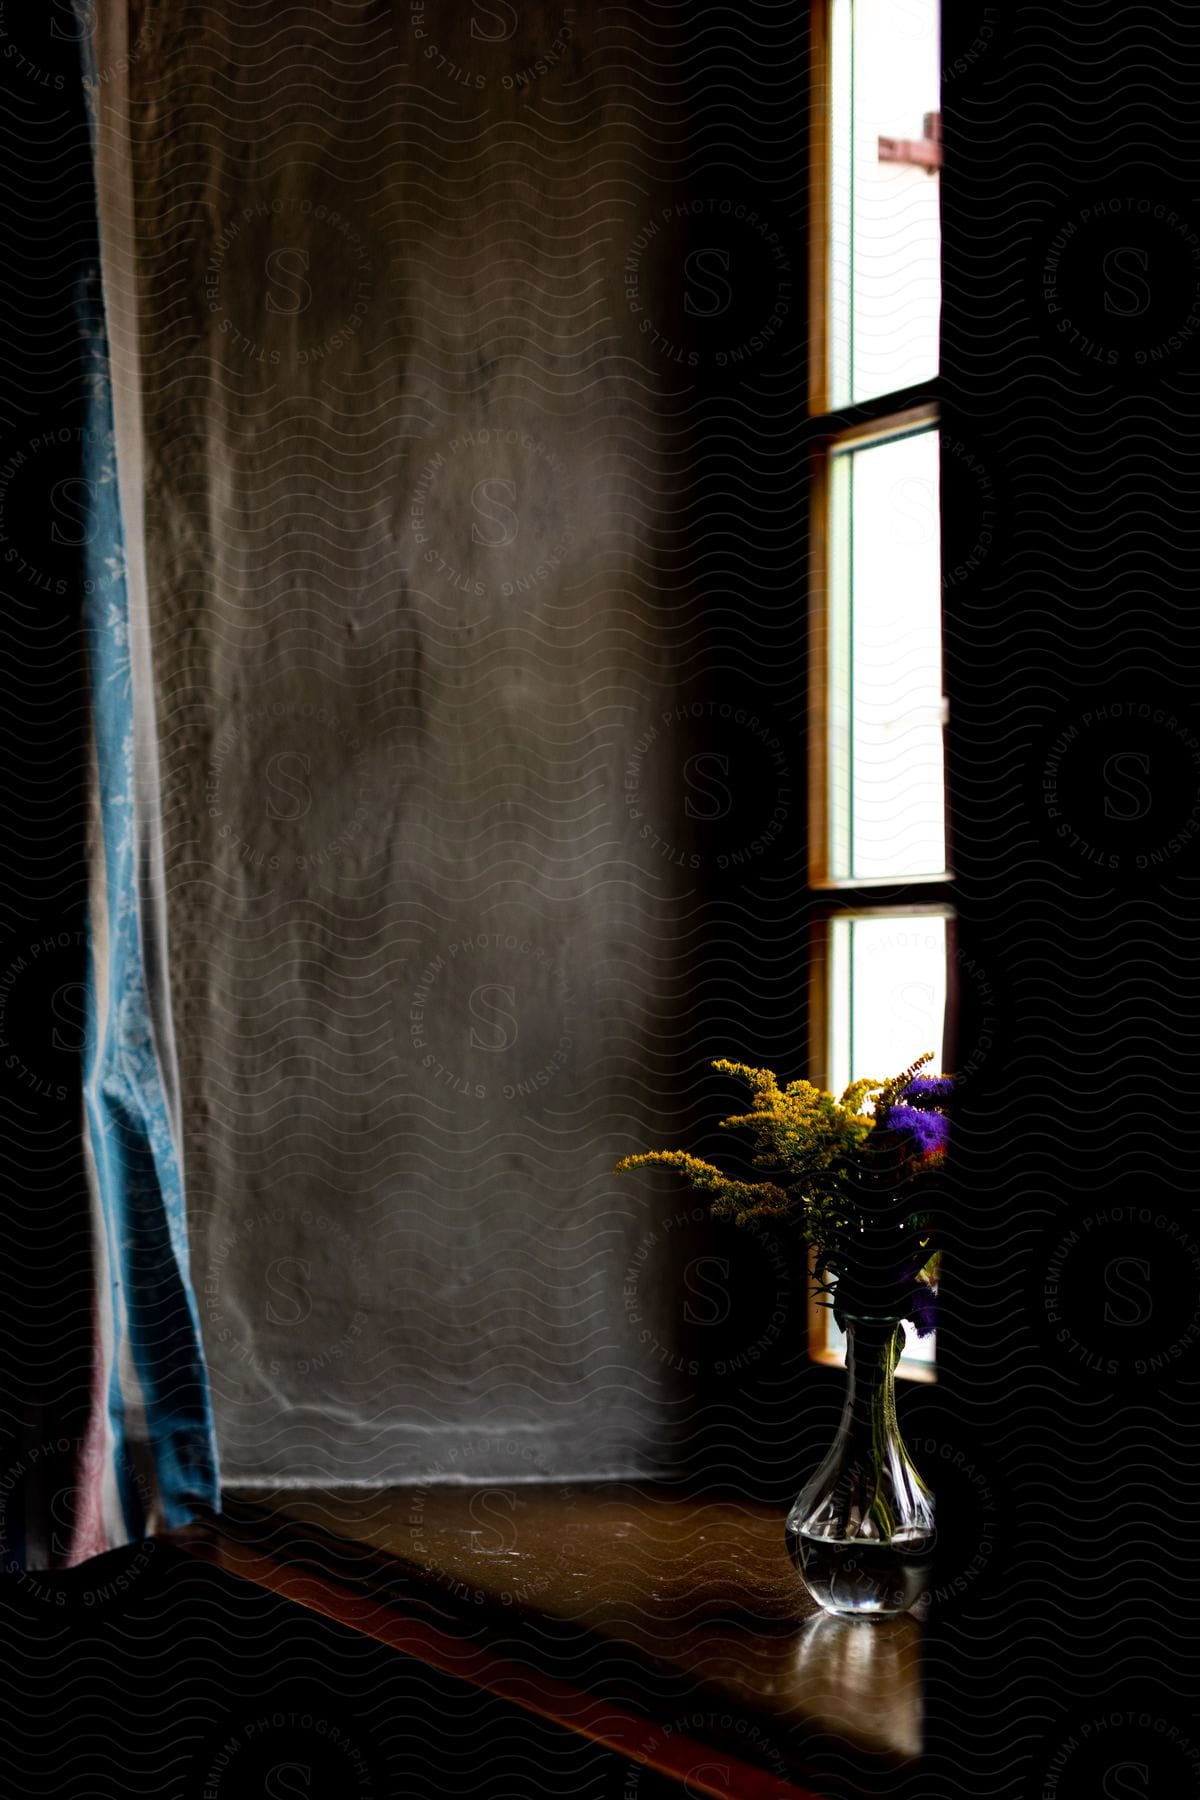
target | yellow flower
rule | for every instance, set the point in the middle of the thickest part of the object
(798, 1127)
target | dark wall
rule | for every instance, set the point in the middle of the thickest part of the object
(476, 477)
(1069, 1355)
(470, 395)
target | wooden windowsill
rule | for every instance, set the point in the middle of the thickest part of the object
(659, 1623)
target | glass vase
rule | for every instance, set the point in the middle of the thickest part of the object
(861, 1532)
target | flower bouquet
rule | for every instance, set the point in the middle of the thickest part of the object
(860, 1175)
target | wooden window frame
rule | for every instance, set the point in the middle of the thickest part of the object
(832, 428)
(901, 421)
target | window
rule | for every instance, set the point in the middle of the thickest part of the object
(879, 859)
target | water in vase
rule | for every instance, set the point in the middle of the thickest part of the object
(855, 1575)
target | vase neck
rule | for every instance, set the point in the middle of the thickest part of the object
(872, 1352)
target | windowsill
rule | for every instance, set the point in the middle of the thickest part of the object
(852, 884)
(649, 1620)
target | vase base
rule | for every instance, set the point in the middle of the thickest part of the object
(854, 1577)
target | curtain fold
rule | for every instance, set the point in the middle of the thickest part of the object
(155, 1381)
(143, 1457)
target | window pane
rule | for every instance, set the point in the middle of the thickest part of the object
(887, 993)
(887, 1004)
(885, 707)
(883, 281)
(921, 1351)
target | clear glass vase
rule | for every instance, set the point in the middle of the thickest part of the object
(861, 1532)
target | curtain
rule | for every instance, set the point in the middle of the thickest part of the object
(137, 1451)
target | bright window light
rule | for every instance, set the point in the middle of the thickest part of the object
(886, 711)
(884, 284)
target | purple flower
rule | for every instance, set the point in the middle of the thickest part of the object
(927, 1131)
(929, 1090)
(922, 1308)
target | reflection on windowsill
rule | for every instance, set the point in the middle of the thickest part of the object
(874, 1665)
